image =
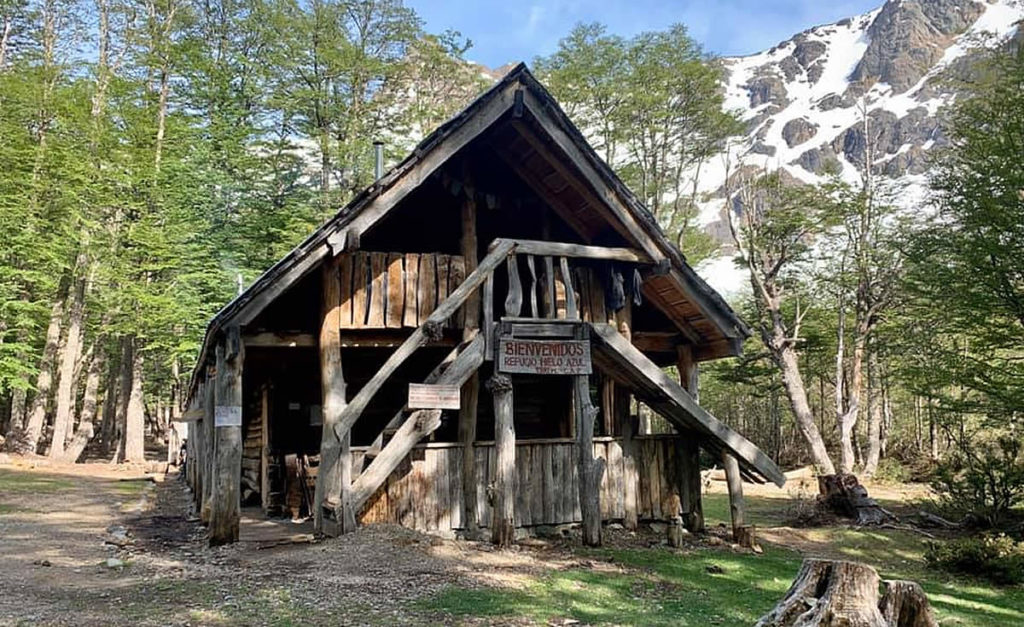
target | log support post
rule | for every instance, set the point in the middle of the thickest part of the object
(688, 450)
(226, 502)
(209, 431)
(688, 455)
(590, 470)
(471, 389)
(628, 427)
(503, 525)
(740, 532)
(335, 473)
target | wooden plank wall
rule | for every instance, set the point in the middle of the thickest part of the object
(394, 290)
(588, 288)
(425, 491)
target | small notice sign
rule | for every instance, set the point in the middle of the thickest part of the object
(544, 356)
(227, 416)
(433, 396)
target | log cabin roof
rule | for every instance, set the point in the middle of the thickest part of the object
(551, 153)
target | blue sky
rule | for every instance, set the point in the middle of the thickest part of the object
(508, 31)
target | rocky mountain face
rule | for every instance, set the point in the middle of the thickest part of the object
(874, 84)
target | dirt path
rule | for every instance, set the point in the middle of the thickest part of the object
(60, 525)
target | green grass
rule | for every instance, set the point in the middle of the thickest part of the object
(666, 587)
(24, 482)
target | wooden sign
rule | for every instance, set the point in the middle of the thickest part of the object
(437, 396)
(544, 356)
(227, 416)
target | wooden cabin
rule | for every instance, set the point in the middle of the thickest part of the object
(463, 349)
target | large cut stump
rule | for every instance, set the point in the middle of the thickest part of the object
(844, 495)
(830, 593)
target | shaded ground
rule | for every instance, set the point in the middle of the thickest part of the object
(54, 520)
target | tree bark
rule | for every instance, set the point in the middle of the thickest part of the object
(86, 423)
(829, 593)
(331, 477)
(71, 354)
(590, 469)
(503, 524)
(226, 502)
(786, 358)
(875, 408)
(135, 418)
(44, 381)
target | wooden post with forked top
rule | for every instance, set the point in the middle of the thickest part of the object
(226, 501)
(503, 524)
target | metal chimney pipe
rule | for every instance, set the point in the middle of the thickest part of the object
(378, 160)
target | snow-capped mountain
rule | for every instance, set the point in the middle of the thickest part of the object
(804, 100)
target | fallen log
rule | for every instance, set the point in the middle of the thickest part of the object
(844, 495)
(829, 593)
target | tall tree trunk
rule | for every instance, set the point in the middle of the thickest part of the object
(124, 387)
(72, 352)
(109, 431)
(44, 381)
(86, 423)
(786, 358)
(848, 419)
(135, 418)
(875, 408)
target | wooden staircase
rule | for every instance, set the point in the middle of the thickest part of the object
(628, 366)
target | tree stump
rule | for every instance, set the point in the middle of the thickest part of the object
(830, 593)
(844, 495)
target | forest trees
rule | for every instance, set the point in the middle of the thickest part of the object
(965, 285)
(652, 106)
(154, 154)
(773, 226)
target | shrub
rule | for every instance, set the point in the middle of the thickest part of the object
(891, 470)
(983, 481)
(998, 558)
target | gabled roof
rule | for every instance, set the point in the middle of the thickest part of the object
(520, 92)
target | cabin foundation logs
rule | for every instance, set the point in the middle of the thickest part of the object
(829, 593)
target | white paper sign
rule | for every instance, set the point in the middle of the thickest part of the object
(439, 396)
(227, 416)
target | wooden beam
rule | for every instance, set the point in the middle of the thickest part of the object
(279, 340)
(486, 268)
(580, 251)
(209, 438)
(419, 424)
(338, 516)
(735, 484)
(593, 187)
(631, 367)
(590, 470)
(503, 525)
(399, 184)
(265, 448)
(470, 394)
(656, 341)
(226, 504)
(630, 477)
(687, 450)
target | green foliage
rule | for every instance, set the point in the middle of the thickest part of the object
(652, 106)
(982, 479)
(998, 558)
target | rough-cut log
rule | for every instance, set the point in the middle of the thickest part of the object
(226, 501)
(844, 495)
(503, 526)
(590, 470)
(830, 593)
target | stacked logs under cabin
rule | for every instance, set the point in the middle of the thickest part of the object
(464, 349)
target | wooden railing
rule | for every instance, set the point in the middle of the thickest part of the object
(466, 358)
